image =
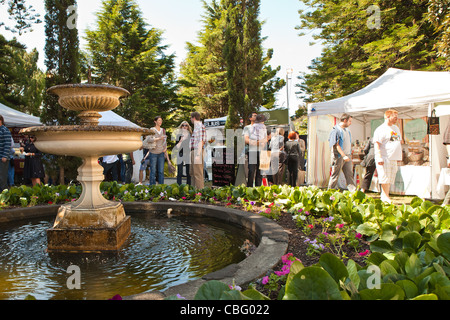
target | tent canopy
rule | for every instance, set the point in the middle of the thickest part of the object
(410, 91)
(110, 118)
(17, 119)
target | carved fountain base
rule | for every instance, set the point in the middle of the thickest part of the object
(89, 239)
(91, 224)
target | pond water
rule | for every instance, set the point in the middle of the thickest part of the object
(159, 254)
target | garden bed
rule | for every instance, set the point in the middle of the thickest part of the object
(337, 239)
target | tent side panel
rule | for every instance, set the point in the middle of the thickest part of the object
(319, 153)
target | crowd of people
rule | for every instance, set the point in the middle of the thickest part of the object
(268, 155)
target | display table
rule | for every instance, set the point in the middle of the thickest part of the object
(410, 180)
(444, 180)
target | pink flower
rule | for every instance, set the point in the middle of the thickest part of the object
(310, 226)
(284, 271)
(365, 253)
(265, 280)
(267, 210)
(340, 226)
(184, 198)
(285, 258)
(358, 236)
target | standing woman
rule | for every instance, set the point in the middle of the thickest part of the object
(158, 148)
(183, 146)
(294, 153)
(34, 169)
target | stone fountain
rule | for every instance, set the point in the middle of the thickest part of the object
(91, 224)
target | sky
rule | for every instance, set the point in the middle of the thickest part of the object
(181, 21)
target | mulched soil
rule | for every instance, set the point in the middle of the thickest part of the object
(298, 247)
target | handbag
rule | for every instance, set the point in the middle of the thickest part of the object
(433, 124)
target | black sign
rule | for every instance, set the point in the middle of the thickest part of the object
(223, 170)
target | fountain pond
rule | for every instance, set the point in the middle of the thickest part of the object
(160, 253)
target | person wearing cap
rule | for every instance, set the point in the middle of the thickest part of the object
(341, 153)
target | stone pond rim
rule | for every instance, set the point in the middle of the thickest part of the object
(273, 241)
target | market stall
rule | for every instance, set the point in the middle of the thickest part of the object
(414, 94)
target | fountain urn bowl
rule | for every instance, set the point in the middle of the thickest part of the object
(92, 223)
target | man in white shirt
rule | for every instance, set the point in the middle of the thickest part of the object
(388, 150)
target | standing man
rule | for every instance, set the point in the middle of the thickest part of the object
(341, 153)
(388, 150)
(257, 141)
(198, 143)
(5, 152)
(246, 135)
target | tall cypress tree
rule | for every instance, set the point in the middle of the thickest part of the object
(244, 56)
(62, 59)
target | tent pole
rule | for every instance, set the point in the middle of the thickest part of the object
(308, 138)
(431, 158)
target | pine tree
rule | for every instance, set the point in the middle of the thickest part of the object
(125, 52)
(62, 60)
(23, 15)
(362, 39)
(21, 81)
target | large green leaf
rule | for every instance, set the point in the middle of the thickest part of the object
(388, 291)
(334, 266)
(430, 296)
(443, 243)
(312, 283)
(381, 246)
(413, 266)
(253, 294)
(411, 242)
(366, 229)
(212, 290)
(409, 287)
(352, 270)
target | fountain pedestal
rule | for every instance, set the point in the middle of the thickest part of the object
(91, 224)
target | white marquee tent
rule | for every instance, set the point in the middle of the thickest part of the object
(414, 94)
(17, 119)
